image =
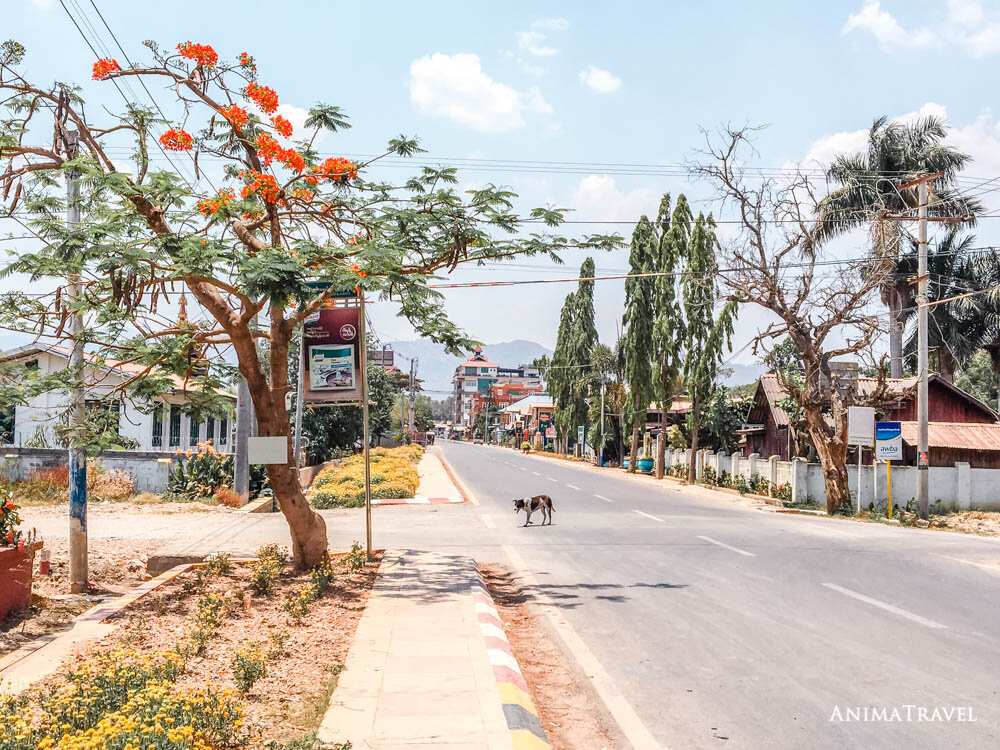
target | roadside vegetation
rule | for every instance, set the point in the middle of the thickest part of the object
(393, 475)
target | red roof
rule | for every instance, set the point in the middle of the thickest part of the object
(971, 436)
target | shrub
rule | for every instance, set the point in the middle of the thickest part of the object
(525, 446)
(274, 552)
(356, 557)
(782, 491)
(228, 497)
(393, 475)
(263, 574)
(199, 474)
(10, 522)
(321, 577)
(219, 564)
(110, 484)
(297, 602)
(278, 639)
(708, 476)
(249, 666)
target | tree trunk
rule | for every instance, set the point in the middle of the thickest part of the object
(832, 453)
(637, 419)
(895, 338)
(694, 442)
(946, 365)
(661, 444)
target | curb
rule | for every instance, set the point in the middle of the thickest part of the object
(522, 717)
(458, 484)
(81, 630)
(260, 505)
(418, 501)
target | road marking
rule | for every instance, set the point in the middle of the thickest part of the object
(488, 521)
(988, 567)
(536, 473)
(552, 480)
(618, 706)
(605, 499)
(887, 607)
(572, 486)
(522, 468)
(647, 515)
(723, 544)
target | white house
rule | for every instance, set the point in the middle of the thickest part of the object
(163, 428)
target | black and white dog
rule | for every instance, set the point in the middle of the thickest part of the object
(530, 504)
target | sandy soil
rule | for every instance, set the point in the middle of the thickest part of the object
(969, 522)
(572, 714)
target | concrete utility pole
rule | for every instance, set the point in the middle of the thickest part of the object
(78, 563)
(300, 398)
(413, 389)
(922, 437)
(363, 347)
(241, 468)
(600, 452)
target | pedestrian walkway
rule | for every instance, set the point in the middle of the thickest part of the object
(421, 671)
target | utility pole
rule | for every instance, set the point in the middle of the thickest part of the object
(413, 388)
(79, 576)
(922, 470)
(600, 451)
(363, 347)
(300, 398)
(241, 469)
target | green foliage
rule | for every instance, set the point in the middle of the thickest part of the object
(525, 445)
(99, 432)
(308, 741)
(356, 557)
(321, 577)
(267, 567)
(193, 475)
(219, 564)
(669, 327)
(637, 322)
(725, 414)
(979, 379)
(676, 439)
(393, 475)
(249, 666)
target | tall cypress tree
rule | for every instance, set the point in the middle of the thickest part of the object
(708, 335)
(669, 330)
(575, 341)
(558, 380)
(637, 323)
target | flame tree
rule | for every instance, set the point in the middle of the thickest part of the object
(285, 230)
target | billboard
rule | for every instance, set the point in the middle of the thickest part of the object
(332, 355)
(888, 441)
(860, 425)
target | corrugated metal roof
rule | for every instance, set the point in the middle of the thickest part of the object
(968, 435)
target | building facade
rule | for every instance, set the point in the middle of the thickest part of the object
(476, 380)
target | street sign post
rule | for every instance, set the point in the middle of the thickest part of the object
(889, 446)
(861, 433)
(580, 438)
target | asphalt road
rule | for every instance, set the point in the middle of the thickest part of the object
(724, 626)
(730, 627)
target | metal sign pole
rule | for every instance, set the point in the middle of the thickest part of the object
(363, 347)
(888, 476)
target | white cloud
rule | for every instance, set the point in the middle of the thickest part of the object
(599, 80)
(456, 87)
(557, 23)
(598, 198)
(42, 4)
(532, 42)
(964, 24)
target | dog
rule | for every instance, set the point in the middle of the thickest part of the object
(530, 504)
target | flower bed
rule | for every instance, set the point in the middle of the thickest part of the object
(17, 555)
(393, 475)
(211, 660)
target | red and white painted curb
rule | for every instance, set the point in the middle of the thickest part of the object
(522, 718)
(417, 501)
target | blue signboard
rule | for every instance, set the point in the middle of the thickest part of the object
(888, 441)
(888, 430)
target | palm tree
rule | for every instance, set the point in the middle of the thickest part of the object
(955, 329)
(868, 194)
(986, 267)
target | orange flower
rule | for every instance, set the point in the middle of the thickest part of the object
(265, 184)
(246, 61)
(264, 97)
(202, 54)
(211, 206)
(282, 126)
(269, 149)
(337, 169)
(237, 116)
(188, 452)
(104, 67)
(176, 140)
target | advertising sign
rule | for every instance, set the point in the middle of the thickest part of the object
(888, 441)
(860, 425)
(579, 434)
(332, 359)
(550, 432)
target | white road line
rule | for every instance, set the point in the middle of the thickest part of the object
(552, 480)
(536, 473)
(488, 521)
(647, 515)
(605, 499)
(887, 607)
(572, 486)
(522, 468)
(723, 544)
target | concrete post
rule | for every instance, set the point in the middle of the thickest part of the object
(753, 464)
(964, 485)
(799, 489)
(661, 457)
(772, 475)
(736, 464)
(707, 463)
(687, 457)
(699, 465)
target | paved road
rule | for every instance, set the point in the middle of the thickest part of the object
(725, 626)
(721, 621)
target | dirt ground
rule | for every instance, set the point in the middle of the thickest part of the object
(115, 566)
(291, 699)
(572, 714)
(969, 522)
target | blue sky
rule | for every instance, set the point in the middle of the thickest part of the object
(576, 82)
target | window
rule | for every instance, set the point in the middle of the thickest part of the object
(175, 426)
(223, 431)
(210, 430)
(470, 370)
(195, 432)
(157, 441)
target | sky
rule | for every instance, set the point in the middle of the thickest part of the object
(569, 89)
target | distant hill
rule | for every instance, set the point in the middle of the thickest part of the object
(743, 374)
(436, 366)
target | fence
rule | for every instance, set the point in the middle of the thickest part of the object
(149, 469)
(957, 487)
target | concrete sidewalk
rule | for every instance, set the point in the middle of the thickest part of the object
(430, 666)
